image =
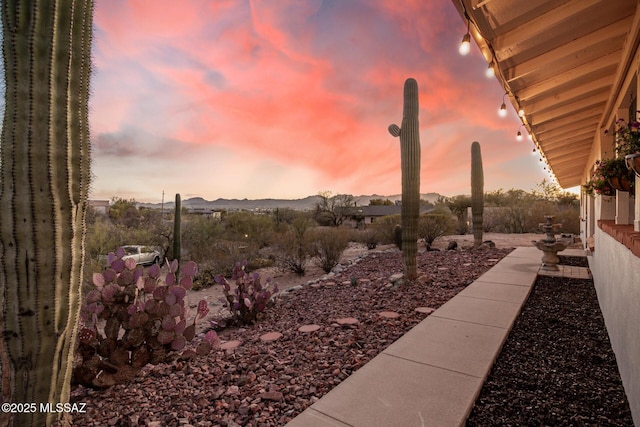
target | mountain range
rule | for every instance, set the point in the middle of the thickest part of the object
(307, 203)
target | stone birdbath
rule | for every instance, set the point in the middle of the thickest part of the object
(549, 245)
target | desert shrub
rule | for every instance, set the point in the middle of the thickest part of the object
(286, 216)
(291, 252)
(513, 219)
(225, 253)
(434, 225)
(253, 229)
(206, 276)
(565, 214)
(204, 279)
(569, 217)
(384, 228)
(327, 245)
(133, 317)
(102, 237)
(491, 220)
(292, 247)
(259, 262)
(249, 298)
(368, 236)
(527, 212)
(199, 237)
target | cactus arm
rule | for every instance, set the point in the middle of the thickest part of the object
(409, 134)
(477, 193)
(44, 175)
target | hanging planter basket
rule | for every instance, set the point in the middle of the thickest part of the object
(620, 183)
(633, 162)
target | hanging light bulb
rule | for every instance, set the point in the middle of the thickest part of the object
(465, 45)
(502, 112)
(519, 136)
(491, 70)
(521, 112)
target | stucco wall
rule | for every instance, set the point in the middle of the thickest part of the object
(616, 274)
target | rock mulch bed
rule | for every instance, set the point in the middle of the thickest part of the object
(557, 366)
(256, 382)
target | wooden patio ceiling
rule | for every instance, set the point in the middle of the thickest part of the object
(563, 63)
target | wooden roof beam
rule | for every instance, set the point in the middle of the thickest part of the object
(576, 49)
(606, 63)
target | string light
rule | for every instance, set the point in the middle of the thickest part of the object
(465, 45)
(502, 112)
(491, 72)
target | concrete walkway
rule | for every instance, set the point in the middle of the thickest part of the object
(433, 374)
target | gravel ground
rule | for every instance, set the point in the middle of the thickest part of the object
(557, 367)
(270, 382)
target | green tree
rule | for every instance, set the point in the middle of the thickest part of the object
(552, 192)
(125, 212)
(458, 205)
(333, 210)
(381, 202)
(44, 185)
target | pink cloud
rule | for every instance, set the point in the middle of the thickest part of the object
(305, 85)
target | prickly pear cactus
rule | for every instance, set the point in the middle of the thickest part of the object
(44, 184)
(477, 193)
(145, 317)
(409, 135)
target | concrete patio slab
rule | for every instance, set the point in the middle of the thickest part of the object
(312, 418)
(399, 392)
(525, 252)
(508, 276)
(500, 314)
(457, 346)
(497, 291)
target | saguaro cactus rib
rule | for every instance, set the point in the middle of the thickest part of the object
(409, 135)
(177, 235)
(477, 193)
(44, 183)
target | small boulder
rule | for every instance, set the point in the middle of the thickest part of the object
(452, 246)
(395, 278)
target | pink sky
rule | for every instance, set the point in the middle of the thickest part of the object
(287, 98)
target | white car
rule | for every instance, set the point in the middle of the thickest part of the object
(143, 255)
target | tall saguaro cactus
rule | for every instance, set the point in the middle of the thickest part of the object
(44, 184)
(477, 193)
(177, 234)
(409, 135)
